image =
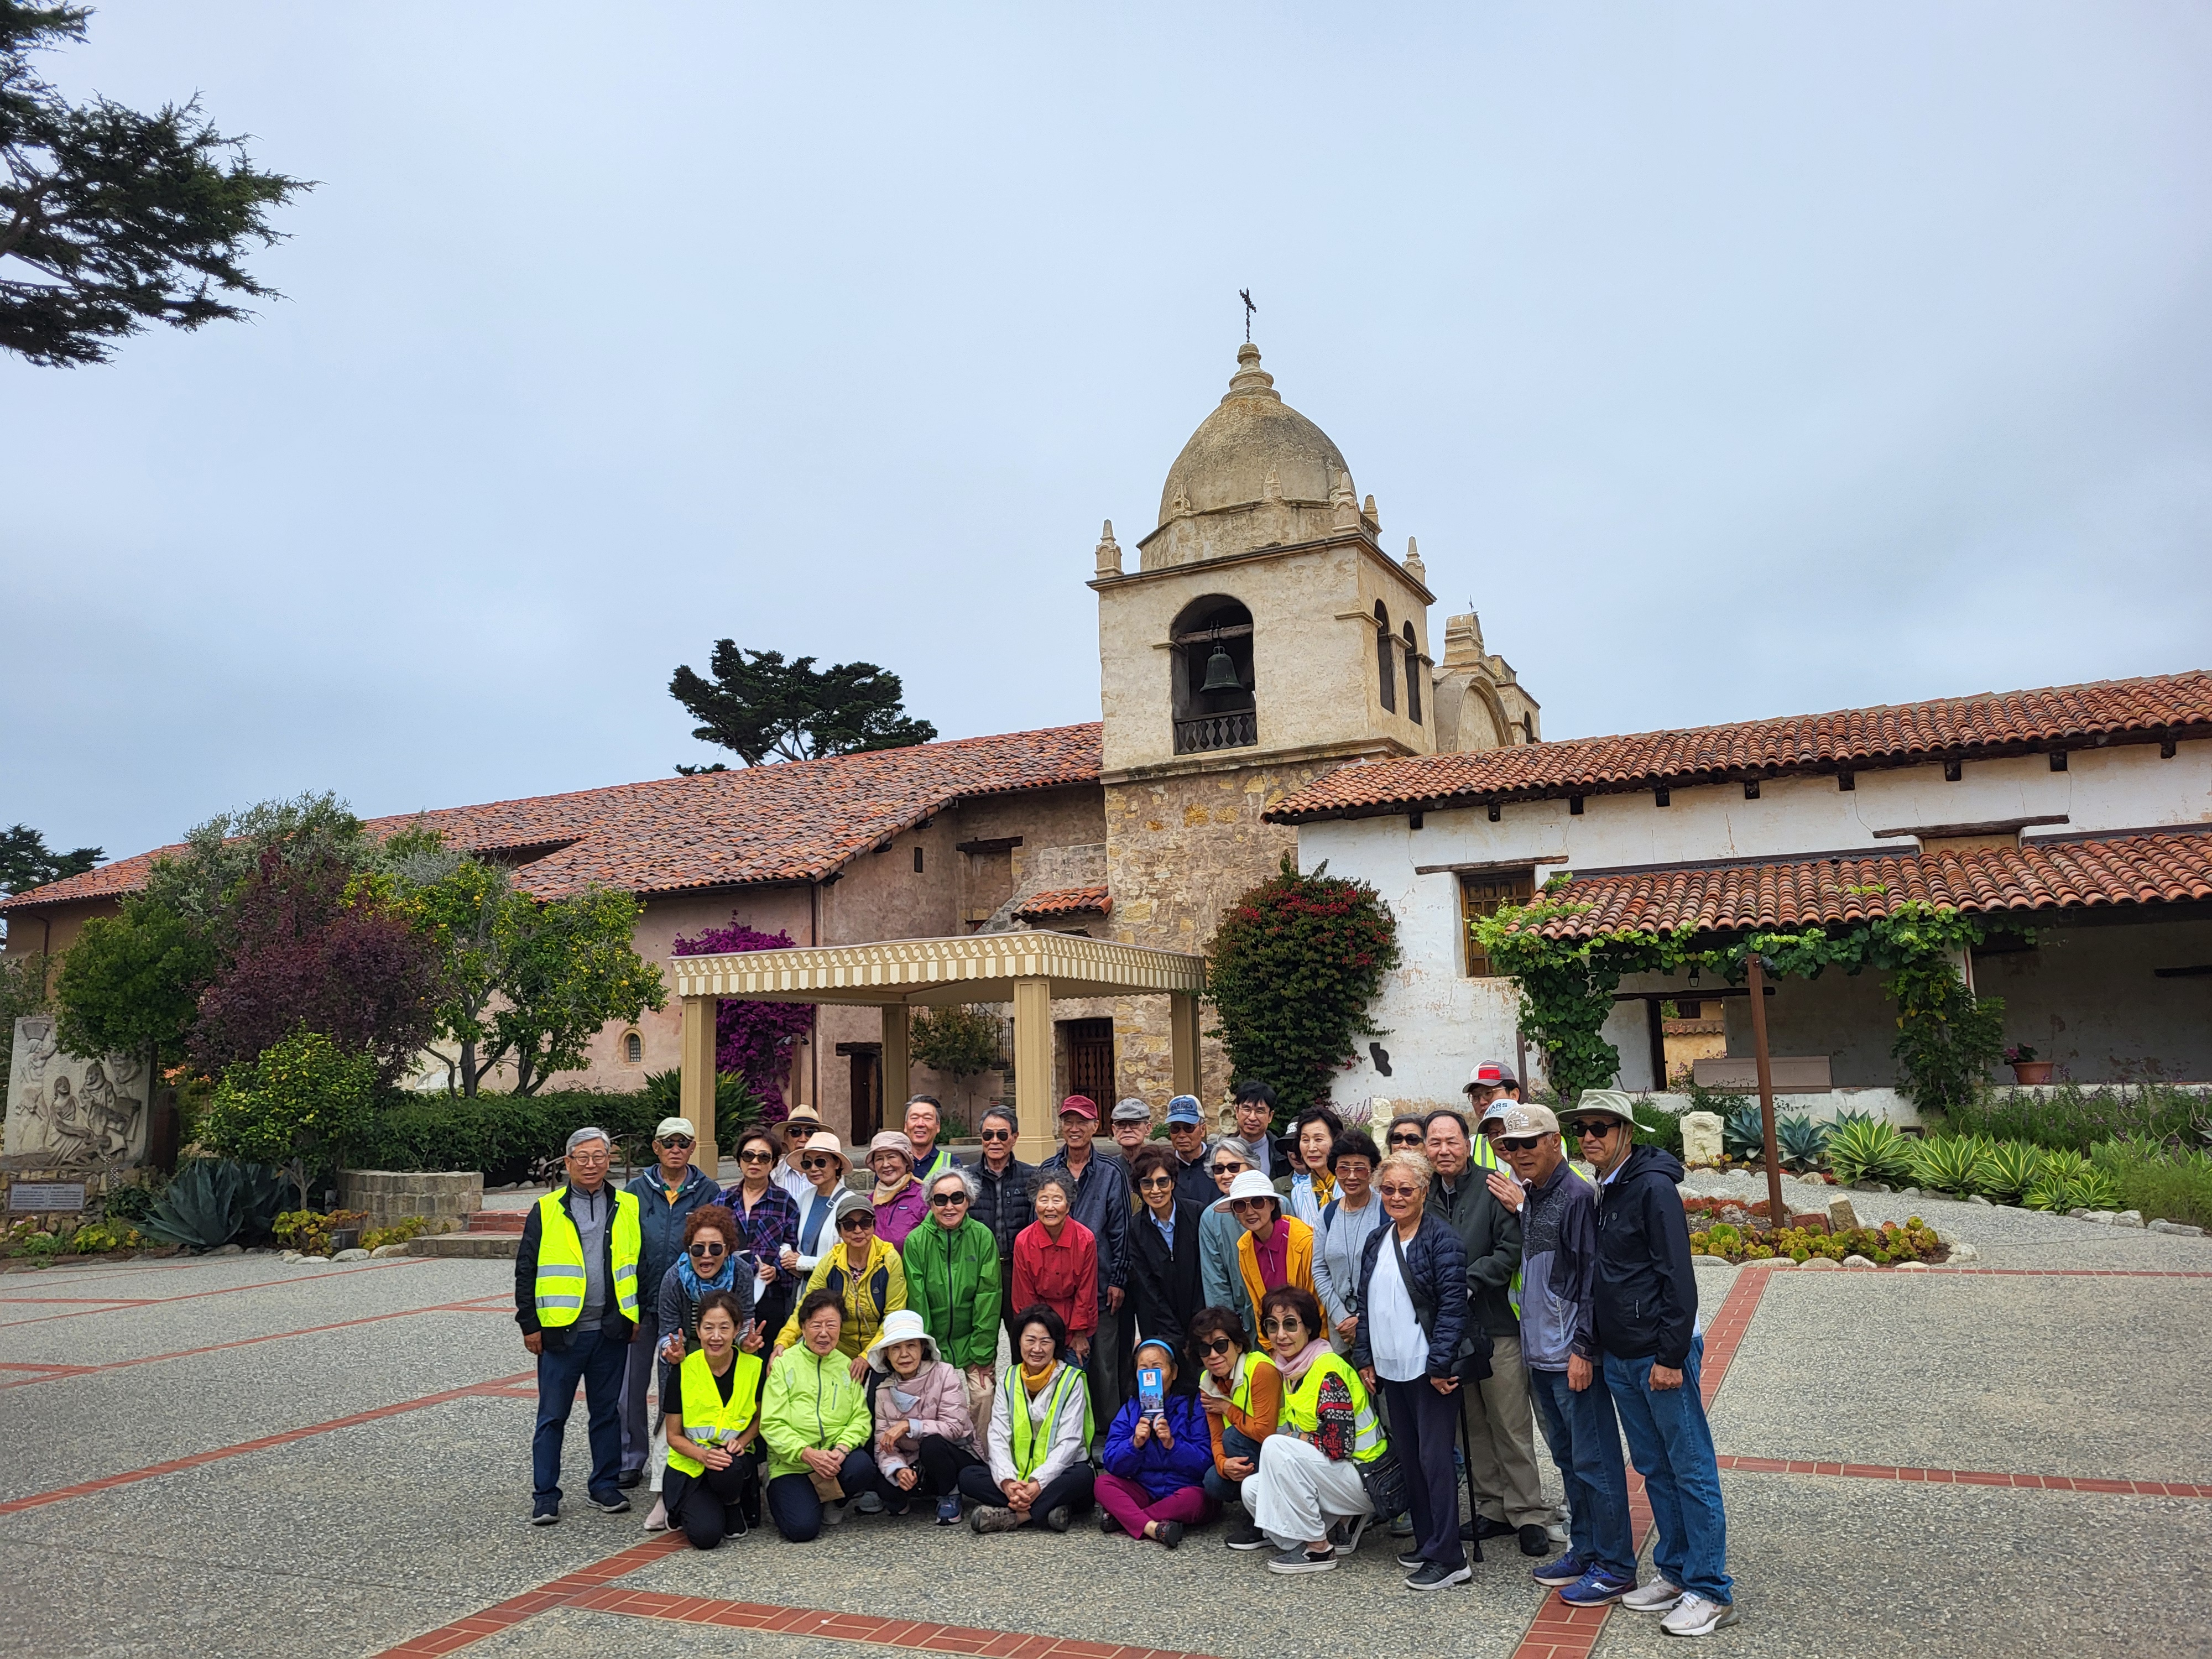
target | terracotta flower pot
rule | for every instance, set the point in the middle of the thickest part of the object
(2030, 1071)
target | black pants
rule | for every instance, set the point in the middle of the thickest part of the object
(1422, 1426)
(938, 1463)
(712, 1506)
(796, 1510)
(1069, 1489)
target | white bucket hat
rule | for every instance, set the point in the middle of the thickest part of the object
(902, 1326)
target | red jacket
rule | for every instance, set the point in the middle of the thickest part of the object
(1062, 1273)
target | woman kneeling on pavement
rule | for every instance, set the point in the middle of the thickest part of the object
(1241, 1392)
(714, 1429)
(1040, 1442)
(815, 1419)
(924, 1435)
(1308, 1494)
(1158, 1454)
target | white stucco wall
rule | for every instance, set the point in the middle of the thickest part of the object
(2091, 995)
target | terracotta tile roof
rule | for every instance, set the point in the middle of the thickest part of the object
(1898, 735)
(1067, 902)
(2151, 868)
(797, 821)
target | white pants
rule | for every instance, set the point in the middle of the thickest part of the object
(1296, 1494)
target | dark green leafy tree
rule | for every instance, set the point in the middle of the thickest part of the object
(1292, 970)
(25, 861)
(766, 709)
(111, 219)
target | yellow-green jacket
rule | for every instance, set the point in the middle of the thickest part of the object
(811, 1400)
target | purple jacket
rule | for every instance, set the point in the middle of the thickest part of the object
(895, 1220)
(1162, 1470)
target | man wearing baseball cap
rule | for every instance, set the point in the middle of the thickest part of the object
(1491, 1081)
(1646, 1310)
(1130, 1123)
(1186, 1122)
(1098, 1197)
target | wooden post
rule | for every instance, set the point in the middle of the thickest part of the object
(697, 1093)
(1033, 1100)
(898, 1066)
(1182, 1042)
(1776, 1215)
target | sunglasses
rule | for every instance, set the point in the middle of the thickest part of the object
(678, 1143)
(857, 1224)
(997, 1135)
(750, 1156)
(1410, 1138)
(947, 1200)
(816, 1162)
(1153, 1183)
(1517, 1143)
(1283, 1327)
(1398, 1191)
(1596, 1128)
(1231, 1169)
(1247, 1203)
(1219, 1345)
(707, 1252)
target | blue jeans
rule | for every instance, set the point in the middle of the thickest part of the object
(1585, 1441)
(1672, 1447)
(599, 1359)
(1235, 1443)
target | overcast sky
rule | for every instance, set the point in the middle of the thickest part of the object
(1732, 360)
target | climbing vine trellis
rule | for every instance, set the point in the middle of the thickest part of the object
(1948, 1038)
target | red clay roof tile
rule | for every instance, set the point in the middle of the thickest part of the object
(795, 822)
(1067, 902)
(2151, 868)
(1898, 734)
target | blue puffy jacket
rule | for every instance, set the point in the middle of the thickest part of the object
(1161, 1470)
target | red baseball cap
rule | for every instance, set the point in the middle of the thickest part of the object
(1081, 1105)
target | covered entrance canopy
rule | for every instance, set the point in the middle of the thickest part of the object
(1030, 970)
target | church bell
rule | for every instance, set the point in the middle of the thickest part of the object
(1221, 673)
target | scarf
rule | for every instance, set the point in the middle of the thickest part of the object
(885, 1195)
(1294, 1367)
(1324, 1186)
(1035, 1381)
(694, 1287)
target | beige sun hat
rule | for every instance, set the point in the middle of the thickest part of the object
(822, 1141)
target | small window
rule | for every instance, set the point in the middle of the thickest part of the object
(1386, 670)
(1485, 896)
(917, 860)
(1412, 677)
(633, 1048)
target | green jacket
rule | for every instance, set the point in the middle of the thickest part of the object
(953, 1282)
(811, 1400)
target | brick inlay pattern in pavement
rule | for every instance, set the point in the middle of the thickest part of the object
(1964, 1477)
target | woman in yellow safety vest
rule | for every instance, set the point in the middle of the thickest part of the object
(713, 1426)
(1240, 1393)
(1040, 1439)
(1308, 1494)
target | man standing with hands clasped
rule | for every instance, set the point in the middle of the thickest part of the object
(1647, 1328)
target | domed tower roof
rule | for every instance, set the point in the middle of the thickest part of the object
(1251, 435)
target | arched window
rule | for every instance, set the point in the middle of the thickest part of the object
(633, 1048)
(1412, 677)
(1212, 641)
(1386, 670)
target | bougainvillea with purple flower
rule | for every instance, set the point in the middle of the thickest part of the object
(753, 1039)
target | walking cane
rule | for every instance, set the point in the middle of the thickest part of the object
(1467, 1468)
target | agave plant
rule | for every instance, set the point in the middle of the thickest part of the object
(2010, 1168)
(1800, 1141)
(215, 1200)
(2095, 1189)
(1867, 1149)
(1948, 1163)
(2051, 1190)
(1743, 1133)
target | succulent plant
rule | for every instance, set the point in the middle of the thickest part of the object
(1949, 1163)
(2010, 1170)
(1800, 1141)
(214, 1200)
(1743, 1133)
(1867, 1149)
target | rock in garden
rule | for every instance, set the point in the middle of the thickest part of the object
(1814, 1262)
(289, 1256)
(1977, 1198)
(314, 1261)
(1964, 1253)
(2181, 1227)
(2102, 1217)
(1701, 1138)
(1911, 1267)
(2076, 1212)
(227, 1250)
(355, 1254)
(1910, 1191)
(1858, 1262)
(387, 1252)
(1841, 1215)
(2128, 1219)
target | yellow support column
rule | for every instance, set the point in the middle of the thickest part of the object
(698, 1088)
(1033, 1100)
(898, 1066)
(1182, 1043)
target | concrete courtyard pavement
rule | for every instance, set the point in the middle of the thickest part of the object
(227, 1455)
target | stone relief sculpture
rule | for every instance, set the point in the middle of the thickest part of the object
(67, 1111)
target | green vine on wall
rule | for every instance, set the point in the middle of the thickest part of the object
(1948, 1038)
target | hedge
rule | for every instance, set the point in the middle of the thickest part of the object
(507, 1136)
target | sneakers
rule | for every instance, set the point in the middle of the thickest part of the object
(1693, 1615)
(1595, 1589)
(545, 1518)
(869, 1502)
(992, 1518)
(1323, 1560)
(948, 1511)
(1656, 1597)
(658, 1520)
(1169, 1534)
(1535, 1540)
(1346, 1535)
(1243, 1535)
(1413, 1560)
(1107, 1523)
(1483, 1527)
(833, 1515)
(616, 1505)
(1435, 1575)
(1402, 1526)
(1564, 1570)
(1057, 1520)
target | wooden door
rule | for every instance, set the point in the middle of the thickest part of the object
(1091, 1060)
(868, 1102)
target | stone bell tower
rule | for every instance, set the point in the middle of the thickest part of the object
(1264, 638)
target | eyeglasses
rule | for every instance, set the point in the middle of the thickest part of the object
(582, 1155)
(1517, 1143)
(996, 1135)
(1290, 1327)
(1593, 1129)
(1353, 1166)
(947, 1200)
(750, 1156)
(1398, 1191)
(1247, 1203)
(706, 1252)
(1153, 1183)
(678, 1143)
(857, 1224)
(816, 1162)
(1219, 1345)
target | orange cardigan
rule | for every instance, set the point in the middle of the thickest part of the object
(1297, 1269)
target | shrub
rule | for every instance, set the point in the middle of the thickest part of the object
(305, 1100)
(129, 1203)
(1913, 1241)
(1865, 1149)
(957, 1042)
(506, 1137)
(309, 1232)
(2174, 1185)
(2075, 1119)
(407, 1227)
(1664, 1131)
(737, 1107)
(1948, 1163)
(96, 1237)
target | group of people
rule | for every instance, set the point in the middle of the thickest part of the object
(1310, 1331)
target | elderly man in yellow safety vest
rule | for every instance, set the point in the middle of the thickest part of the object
(576, 1298)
